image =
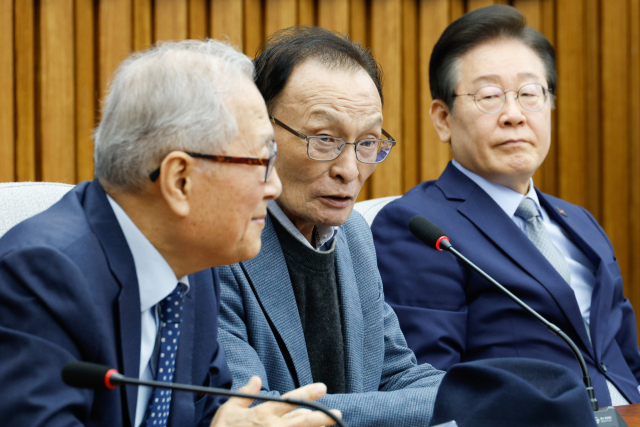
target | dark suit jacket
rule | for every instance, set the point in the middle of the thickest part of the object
(68, 291)
(450, 314)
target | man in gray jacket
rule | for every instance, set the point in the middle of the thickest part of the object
(310, 307)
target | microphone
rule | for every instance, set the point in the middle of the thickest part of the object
(434, 237)
(99, 377)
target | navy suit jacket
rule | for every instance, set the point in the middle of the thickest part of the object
(450, 314)
(68, 291)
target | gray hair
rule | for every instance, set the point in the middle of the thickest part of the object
(169, 97)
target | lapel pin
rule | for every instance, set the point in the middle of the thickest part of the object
(562, 212)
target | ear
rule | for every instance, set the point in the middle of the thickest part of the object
(440, 116)
(176, 181)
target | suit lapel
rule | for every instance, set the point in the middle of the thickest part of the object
(105, 226)
(602, 295)
(269, 277)
(491, 220)
(351, 313)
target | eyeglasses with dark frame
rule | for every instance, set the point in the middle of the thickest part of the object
(268, 162)
(490, 98)
(326, 148)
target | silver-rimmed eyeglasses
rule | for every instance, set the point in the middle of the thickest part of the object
(325, 148)
(490, 99)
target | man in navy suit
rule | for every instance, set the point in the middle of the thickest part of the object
(101, 275)
(492, 82)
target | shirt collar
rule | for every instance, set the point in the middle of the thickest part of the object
(156, 279)
(505, 197)
(325, 232)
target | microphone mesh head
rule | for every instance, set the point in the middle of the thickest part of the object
(85, 375)
(425, 230)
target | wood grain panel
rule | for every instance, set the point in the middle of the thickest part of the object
(307, 12)
(85, 83)
(456, 9)
(358, 21)
(410, 143)
(25, 87)
(531, 10)
(227, 21)
(593, 125)
(142, 24)
(170, 20)
(570, 102)
(386, 42)
(434, 155)
(198, 19)
(253, 27)
(634, 138)
(280, 14)
(546, 177)
(615, 101)
(57, 98)
(7, 130)
(477, 4)
(114, 38)
(334, 15)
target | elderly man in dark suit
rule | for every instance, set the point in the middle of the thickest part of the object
(310, 306)
(492, 80)
(118, 272)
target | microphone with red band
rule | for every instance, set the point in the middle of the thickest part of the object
(100, 377)
(434, 237)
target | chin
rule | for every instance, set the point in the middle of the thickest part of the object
(250, 250)
(335, 219)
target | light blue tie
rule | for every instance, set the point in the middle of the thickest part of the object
(170, 318)
(537, 233)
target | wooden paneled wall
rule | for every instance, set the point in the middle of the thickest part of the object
(56, 57)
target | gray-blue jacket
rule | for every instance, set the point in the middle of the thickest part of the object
(261, 333)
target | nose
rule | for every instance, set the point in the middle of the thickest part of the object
(273, 187)
(512, 114)
(345, 167)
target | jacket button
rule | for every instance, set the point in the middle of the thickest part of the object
(603, 367)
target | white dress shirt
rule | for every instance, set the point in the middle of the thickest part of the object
(156, 280)
(583, 277)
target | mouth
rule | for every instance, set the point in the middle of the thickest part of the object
(259, 219)
(337, 201)
(513, 142)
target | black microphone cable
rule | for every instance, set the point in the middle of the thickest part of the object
(433, 236)
(99, 377)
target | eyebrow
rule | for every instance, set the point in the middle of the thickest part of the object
(334, 120)
(324, 114)
(495, 77)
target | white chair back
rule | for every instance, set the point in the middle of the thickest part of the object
(370, 208)
(21, 200)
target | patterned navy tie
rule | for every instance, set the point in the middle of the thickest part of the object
(170, 318)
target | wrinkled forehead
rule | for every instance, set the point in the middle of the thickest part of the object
(500, 60)
(322, 92)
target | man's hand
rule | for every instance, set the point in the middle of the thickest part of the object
(236, 412)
